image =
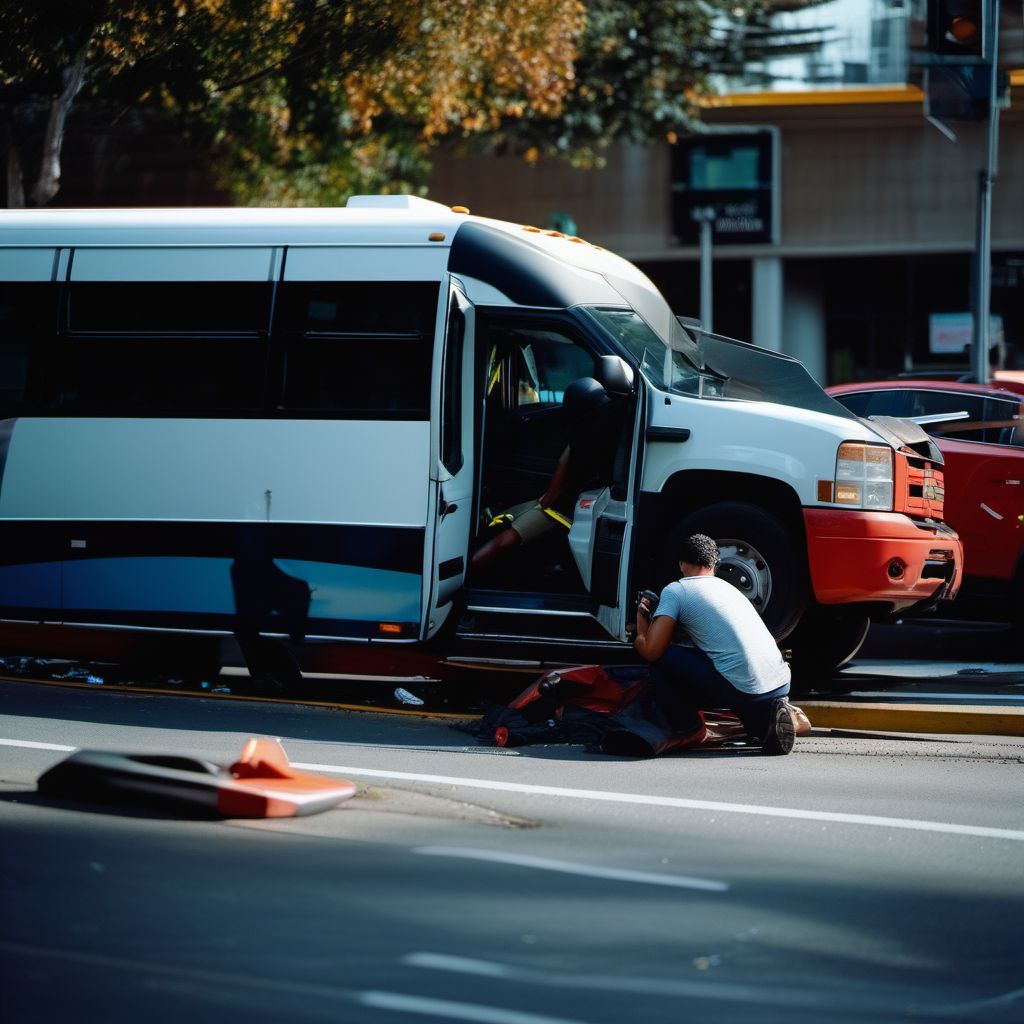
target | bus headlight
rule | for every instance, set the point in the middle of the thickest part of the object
(864, 476)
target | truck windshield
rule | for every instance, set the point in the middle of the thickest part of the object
(670, 368)
(708, 366)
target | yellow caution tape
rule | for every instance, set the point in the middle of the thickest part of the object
(559, 518)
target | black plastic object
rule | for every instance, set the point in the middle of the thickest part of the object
(260, 784)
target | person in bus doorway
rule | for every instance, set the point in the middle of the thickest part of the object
(734, 662)
(595, 421)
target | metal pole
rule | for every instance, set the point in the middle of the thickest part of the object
(983, 249)
(706, 218)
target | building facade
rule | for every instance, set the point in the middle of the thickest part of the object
(871, 273)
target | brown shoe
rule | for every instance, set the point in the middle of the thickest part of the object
(801, 723)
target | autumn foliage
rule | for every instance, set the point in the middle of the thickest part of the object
(302, 101)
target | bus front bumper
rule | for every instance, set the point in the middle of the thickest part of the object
(882, 557)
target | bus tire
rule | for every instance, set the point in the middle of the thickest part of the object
(826, 640)
(761, 557)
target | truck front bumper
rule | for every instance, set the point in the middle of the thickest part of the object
(881, 557)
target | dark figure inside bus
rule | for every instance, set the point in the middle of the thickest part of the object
(594, 420)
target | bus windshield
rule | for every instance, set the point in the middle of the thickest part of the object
(709, 366)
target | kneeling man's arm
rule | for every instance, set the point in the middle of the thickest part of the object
(653, 638)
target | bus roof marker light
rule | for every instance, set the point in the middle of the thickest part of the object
(531, 228)
(460, 209)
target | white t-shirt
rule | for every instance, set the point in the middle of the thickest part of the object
(726, 627)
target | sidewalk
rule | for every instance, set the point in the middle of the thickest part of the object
(975, 698)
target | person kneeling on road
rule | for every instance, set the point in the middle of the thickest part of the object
(734, 663)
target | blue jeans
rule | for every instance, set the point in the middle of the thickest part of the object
(686, 681)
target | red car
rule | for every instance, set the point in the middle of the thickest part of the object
(980, 430)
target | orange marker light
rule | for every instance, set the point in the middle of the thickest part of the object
(536, 231)
(460, 209)
(389, 628)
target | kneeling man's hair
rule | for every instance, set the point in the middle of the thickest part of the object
(699, 549)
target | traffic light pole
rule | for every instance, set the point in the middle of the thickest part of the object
(982, 340)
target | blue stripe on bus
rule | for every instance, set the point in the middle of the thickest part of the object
(118, 588)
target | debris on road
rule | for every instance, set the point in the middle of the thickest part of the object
(610, 709)
(403, 696)
(260, 784)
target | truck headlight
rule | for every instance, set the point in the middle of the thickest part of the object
(864, 475)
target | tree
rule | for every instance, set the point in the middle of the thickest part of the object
(302, 101)
(641, 69)
(296, 99)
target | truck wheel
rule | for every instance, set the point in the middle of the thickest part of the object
(761, 557)
(826, 639)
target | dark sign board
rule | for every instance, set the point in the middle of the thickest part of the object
(733, 174)
(961, 93)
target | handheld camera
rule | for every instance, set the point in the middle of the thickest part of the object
(651, 597)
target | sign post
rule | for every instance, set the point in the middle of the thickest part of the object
(982, 341)
(724, 190)
(705, 216)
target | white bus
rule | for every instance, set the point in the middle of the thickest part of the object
(295, 425)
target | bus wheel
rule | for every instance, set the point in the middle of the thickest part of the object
(760, 557)
(826, 639)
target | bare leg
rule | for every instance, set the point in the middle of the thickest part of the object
(483, 558)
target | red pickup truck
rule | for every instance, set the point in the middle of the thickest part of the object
(979, 429)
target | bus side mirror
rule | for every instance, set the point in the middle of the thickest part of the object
(616, 375)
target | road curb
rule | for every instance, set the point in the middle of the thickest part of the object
(926, 718)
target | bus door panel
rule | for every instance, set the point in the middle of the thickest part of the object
(602, 532)
(454, 461)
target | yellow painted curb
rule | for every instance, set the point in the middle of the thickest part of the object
(940, 718)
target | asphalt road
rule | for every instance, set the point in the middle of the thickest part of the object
(857, 879)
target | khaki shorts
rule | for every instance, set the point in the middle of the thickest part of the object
(530, 521)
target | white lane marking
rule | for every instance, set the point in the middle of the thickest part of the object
(873, 820)
(723, 992)
(35, 746)
(445, 1009)
(364, 746)
(992, 512)
(571, 868)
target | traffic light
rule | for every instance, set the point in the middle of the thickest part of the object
(959, 28)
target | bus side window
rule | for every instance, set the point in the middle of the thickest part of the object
(28, 314)
(356, 349)
(451, 415)
(165, 348)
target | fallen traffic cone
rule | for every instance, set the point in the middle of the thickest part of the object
(260, 784)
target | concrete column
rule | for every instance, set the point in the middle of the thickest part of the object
(803, 321)
(766, 302)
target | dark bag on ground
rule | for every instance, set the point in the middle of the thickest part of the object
(611, 709)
